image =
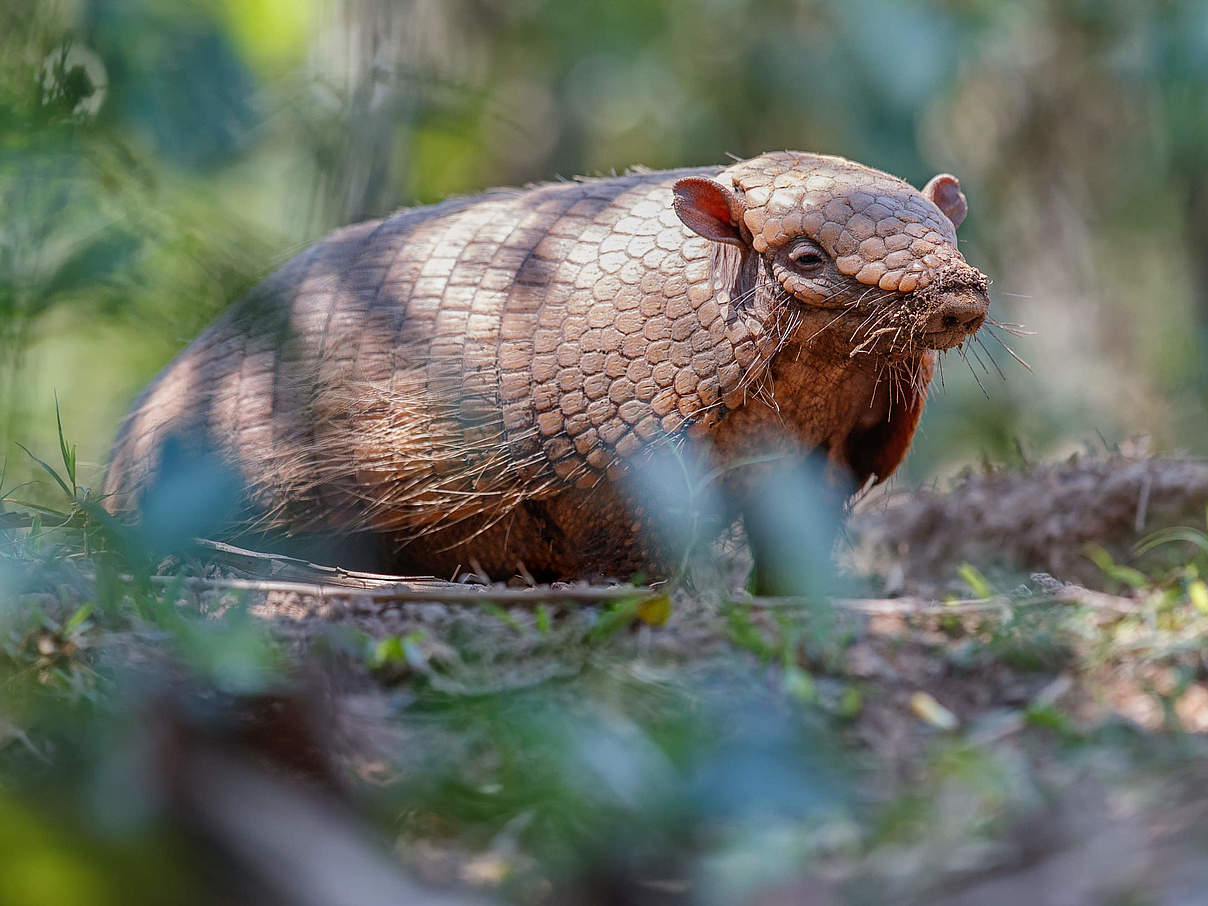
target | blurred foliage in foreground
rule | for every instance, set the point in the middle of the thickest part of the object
(157, 158)
(161, 743)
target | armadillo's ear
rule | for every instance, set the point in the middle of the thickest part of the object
(709, 208)
(945, 190)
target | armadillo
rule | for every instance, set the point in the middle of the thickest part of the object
(472, 381)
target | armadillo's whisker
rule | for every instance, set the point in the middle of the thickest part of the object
(965, 359)
(1018, 330)
(838, 317)
(990, 356)
(880, 314)
(1011, 352)
(968, 346)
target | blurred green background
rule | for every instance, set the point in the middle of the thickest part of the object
(157, 158)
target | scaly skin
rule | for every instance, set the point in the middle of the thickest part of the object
(473, 380)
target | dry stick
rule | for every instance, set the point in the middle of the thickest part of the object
(448, 593)
(304, 570)
(336, 582)
(1143, 503)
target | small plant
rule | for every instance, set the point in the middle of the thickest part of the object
(76, 514)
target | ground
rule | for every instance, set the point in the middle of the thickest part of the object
(999, 700)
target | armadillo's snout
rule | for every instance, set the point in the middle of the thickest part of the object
(960, 312)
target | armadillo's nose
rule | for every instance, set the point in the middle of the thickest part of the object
(961, 312)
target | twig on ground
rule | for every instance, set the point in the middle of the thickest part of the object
(407, 589)
(422, 591)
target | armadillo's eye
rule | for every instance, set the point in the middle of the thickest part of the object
(806, 257)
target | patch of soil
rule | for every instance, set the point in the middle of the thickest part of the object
(1023, 522)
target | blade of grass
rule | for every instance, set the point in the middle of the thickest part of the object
(1170, 535)
(50, 471)
(38, 508)
(69, 456)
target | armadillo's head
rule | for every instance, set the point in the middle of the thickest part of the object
(870, 256)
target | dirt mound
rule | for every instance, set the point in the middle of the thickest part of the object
(1011, 522)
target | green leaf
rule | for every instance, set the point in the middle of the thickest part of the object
(799, 684)
(744, 634)
(1197, 592)
(1113, 570)
(83, 612)
(1047, 717)
(616, 617)
(387, 652)
(399, 651)
(851, 703)
(978, 583)
(504, 616)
